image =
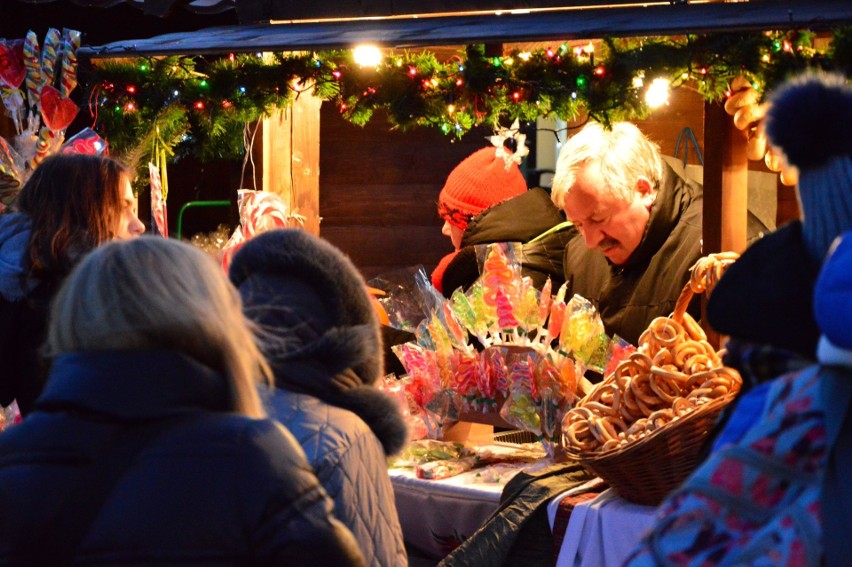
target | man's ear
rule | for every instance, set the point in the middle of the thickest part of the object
(647, 192)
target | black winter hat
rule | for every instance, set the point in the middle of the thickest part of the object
(311, 300)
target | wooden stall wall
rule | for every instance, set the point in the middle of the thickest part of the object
(379, 189)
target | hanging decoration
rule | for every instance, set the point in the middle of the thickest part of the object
(159, 182)
(35, 83)
(202, 104)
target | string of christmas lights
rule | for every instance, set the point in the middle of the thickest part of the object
(201, 105)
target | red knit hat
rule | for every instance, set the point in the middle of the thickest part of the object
(481, 181)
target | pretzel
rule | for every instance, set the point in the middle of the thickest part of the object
(673, 371)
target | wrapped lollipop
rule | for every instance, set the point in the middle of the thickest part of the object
(70, 43)
(465, 380)
(10, 174)
(463, 310)
(421, 382)
(496, 369)
(499, 275)
(486, 317)
(580, 329)
(557, 316)
(520, 407)
(527, 310)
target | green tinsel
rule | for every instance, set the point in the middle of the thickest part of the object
(201, 105)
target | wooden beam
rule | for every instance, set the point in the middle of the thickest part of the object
(254, 11)
(507, 28)
(290, 158)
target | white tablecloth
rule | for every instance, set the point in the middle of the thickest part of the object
(602, 532)
(437, 515)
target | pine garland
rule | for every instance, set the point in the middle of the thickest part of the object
(202, 105)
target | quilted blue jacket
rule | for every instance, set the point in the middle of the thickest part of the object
(350, 463)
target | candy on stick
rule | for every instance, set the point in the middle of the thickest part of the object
(259, 211)
(496, 369)
(47, 140)
(12, 70)
(505, 316)
(32, 62)
(498, 274)
(527, 308)
(544, 301)
(520, 407)
(10, 180)
(580, 326)
(71, 43)
(86, 141)
(557, 316)
(485, 316)
(457, 334)
(51, 50)
(463, 311)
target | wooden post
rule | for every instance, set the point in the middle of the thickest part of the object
(725, 182)
(725, 190)
(290, 142)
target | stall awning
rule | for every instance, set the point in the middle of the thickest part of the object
(671, 19)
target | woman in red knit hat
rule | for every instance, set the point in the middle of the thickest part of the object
(484, 200)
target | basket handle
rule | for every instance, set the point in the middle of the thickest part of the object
(704, 275)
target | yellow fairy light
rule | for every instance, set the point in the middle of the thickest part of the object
(367, 55)
(657, 93)
(525, 55)
(451, 108)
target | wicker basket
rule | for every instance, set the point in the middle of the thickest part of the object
(647, 470)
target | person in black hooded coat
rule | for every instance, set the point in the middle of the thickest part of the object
(320, 333)
(485, 200)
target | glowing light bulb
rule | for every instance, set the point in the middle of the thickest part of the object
(657, 93)
(367, 55)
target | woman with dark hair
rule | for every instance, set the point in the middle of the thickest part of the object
(70, 205)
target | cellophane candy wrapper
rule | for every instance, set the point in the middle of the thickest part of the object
(583, 334)
(9, 416)
(403, 300)
(86, 141)
(422, 383)
(619, 350)
(259, 211)
(520, 409)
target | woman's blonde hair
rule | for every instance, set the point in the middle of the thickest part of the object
(153, 293)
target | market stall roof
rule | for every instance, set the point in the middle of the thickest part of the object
(620, 21)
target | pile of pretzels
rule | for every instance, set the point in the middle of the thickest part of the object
(673, 371)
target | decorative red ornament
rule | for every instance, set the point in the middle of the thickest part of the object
(12, 69)
(57, 111)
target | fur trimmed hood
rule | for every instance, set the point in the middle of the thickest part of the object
(319, 330)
